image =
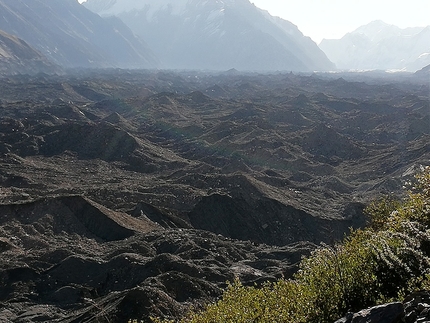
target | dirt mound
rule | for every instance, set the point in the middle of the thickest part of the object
(115, 118)
(325, 141)
(216, 91)
(89, 141)
(198, 97)
(113, 105)
(264, 220)
(158, 273)
(166, 220)
(72, 215)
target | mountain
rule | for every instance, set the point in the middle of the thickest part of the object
(424, 70)
(17, 57)
(423, 74)
(72, 36)
(216, 35)
(378, 45)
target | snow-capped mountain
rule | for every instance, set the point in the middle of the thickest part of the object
(381, 46)
(216, 34)
(73, 36)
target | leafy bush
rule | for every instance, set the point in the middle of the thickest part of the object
(383, 262)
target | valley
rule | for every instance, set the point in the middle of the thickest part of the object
(115, 185)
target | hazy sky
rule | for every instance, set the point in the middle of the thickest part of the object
(320, 19)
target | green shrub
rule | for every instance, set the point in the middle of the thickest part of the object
(340, 278)
(271, 303)
(380, 211)
(383, 262)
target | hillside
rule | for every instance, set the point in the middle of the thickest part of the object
(72, 36)
(424, 72)
(17, 57)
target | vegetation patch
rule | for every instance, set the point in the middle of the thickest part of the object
(383, 262)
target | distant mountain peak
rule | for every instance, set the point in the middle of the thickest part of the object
(382, 46)
(378, 30)
(216, 35)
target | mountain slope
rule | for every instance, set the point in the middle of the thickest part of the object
(216, 35)
(72, 36)
(17, 57)
(424, 70)
(380, 46)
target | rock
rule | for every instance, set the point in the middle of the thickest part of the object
(417, 307)
(414, 309)
(388, 313)
(74, 214)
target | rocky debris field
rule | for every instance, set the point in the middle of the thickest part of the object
(69, 259)
(130, 194)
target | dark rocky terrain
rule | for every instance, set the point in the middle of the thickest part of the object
(128, 194)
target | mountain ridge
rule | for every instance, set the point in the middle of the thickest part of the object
(72, 36)
(221, 35)
(380, 46)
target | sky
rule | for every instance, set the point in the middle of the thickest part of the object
(332, 19)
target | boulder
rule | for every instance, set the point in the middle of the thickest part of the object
(417, 307)
(387, 313)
